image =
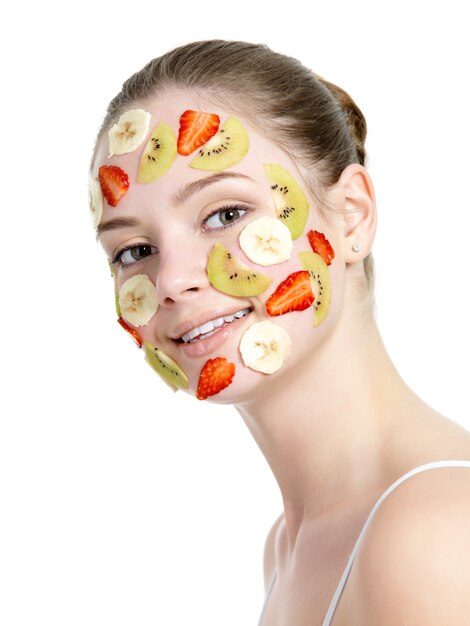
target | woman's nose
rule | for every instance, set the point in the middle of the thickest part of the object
(181, 275)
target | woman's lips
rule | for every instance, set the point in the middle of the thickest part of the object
(201, 347)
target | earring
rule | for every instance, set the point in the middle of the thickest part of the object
(356, 247)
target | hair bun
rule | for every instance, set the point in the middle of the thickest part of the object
(354, 117)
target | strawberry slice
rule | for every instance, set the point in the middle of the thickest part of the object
(132, 332)
(196, 128)
(114, 183)
(321, 245)
(215, 376)
(293, 294)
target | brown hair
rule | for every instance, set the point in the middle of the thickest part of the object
(313, 120)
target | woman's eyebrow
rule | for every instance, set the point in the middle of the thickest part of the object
(179, 197)
(117, 222)
(188, 190)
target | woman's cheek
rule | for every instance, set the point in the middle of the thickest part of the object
(298, 277)
(273, 260)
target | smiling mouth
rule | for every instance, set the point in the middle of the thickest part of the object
(212, 326)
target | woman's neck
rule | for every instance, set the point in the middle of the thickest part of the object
(328, 431)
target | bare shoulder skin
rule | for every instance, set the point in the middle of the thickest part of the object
(414, 566)
(419, 515)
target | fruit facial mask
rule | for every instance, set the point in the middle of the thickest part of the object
(129, 132)
(314, 264)
(165, 367)
(196, 128)
(132, 331)
(159, 154)
(95, 201)
(230, 276)
(293, 294)
(138, 300)
(321, 246)
(216, 375)
(226, 148)
(266, 241)
(114, 183)
(291, 204)
(265, 346)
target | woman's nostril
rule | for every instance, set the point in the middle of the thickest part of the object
(169, 301)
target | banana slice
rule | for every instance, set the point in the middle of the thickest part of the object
(266, 241)
(129, 132)
(95, 201)
(138, 300)
(265, 346)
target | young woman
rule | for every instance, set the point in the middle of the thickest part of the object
(229, 192)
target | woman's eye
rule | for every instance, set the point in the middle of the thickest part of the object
(224, 217)
(136, 253)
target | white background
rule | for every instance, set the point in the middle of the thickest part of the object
(120, 503)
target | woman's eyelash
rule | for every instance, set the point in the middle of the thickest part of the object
(117, 258)
(226, 209)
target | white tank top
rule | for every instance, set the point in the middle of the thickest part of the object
(339, 590)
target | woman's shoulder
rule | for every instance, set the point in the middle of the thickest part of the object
(428, 493)
(415, 555)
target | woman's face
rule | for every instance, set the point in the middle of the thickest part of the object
(165, 232)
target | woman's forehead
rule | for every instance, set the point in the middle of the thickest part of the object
(170, 106)
(232, 134)
(158, 150)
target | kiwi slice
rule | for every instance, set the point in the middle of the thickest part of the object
(291, 204)
(320, 282)
(168, 369)
(227, 147)
(158, 155)
(229, 275)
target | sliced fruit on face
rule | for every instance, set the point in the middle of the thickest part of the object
(265, 346)
(132, 332)
(217, 374)
(158, 155)
(293, 294)
(224, 149)
(168, 369)
(129, 132)
(290, 201)
(116, 294)
(116, 303)
(196, 128)
(138, 300)
(95, 201)
(229, 275)
(114, 183)
(266, 241)
(320, 282)
(321, 246)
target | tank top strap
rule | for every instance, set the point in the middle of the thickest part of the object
(268, 593)
(344, 577)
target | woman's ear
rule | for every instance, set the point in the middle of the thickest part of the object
(355, 195)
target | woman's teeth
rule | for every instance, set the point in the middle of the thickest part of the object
(209, 328)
